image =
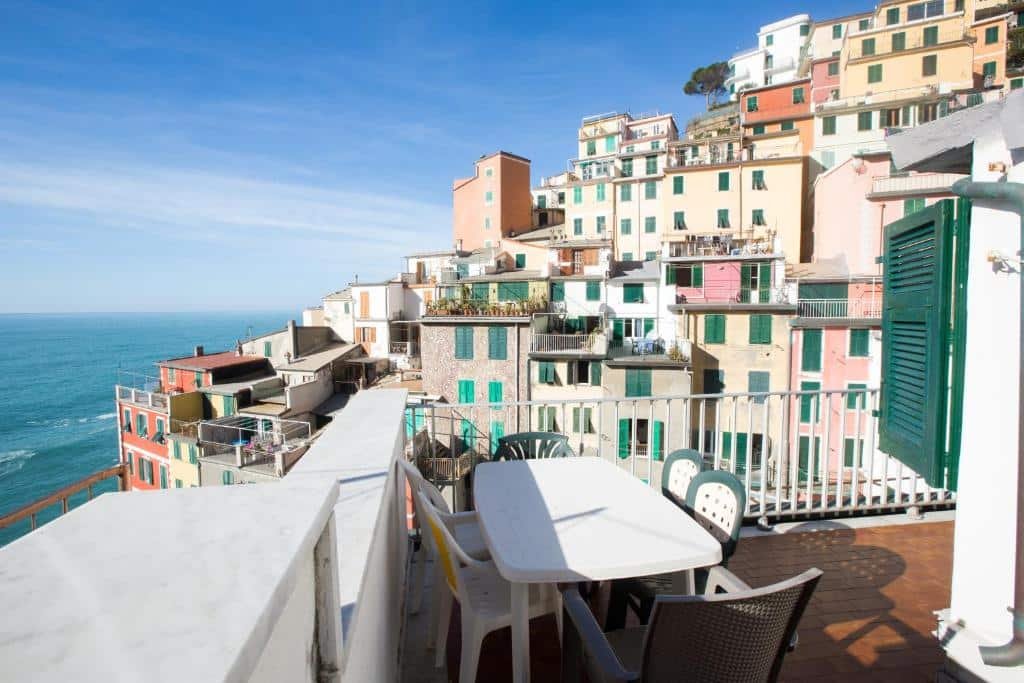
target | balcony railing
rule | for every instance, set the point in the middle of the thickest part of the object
(903, 184)
(730, 295)
(796, 452)
(913, 39)
(150, 399)
(404, 348)
(486, 308)
(719, 245)
(593, 343)
(839, 308)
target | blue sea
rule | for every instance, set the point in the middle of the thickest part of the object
(57, 412)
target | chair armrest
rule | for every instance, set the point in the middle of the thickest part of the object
(720, 577)
(462, 517)
(594, 642)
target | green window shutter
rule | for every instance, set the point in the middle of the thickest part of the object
(479, 291)
(853, 399)
(609, 143)
(600, 192)
(714, 328)
(726, 450)
(931, 35)
(627, 256)
(837, 31)
(741, 453)
(229, 406)
(176, 449)
(193, 455)
(494, 391)
(577, 226)
(624, 434)
(591, 147)
(617, 330)
(864, 120)
(757, 216)
(542, 202)
(828, 125)
(929, 65)
(833, 69)
(467, 391)
(917, 289)
(859, 341)
(520, 260)
(163, 477)
(752, 103)
(892, 16)
(758, 129)
(648, 325)
(650, 224)
(810, 359)
(677, 184)
(808, 467)
(267, 349)
(576, 420)
(658, 443)
(849, 459)
(723, 181)
(178, 483)
(497, 431)
(199, 379)
(760, 329)
(757, 180)
(899, 41)
(651, 165)
(595, 373)
(798, 95)
(140, 424)
(625, 226)
(679, 220)
(599, 224)
(787, 125)
(577, 195)
(758, 381)
(546, 370)
(723, 218)
(627, 169)
(867, 47)
(988, 69)
(650, 255)
(593, 290)
(650, 190)
(464, 342)
(638, 382)
(626, 192)
(670, 275)
(1017, 84)
(497, 343)
(697, 276)
(809, 400)
(633, 293)
(558, 291)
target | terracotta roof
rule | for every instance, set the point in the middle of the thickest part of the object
(210, 361)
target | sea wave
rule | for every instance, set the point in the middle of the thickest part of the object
(106, 416)
(12, 461)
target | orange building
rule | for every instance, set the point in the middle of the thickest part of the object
(777, 120)
(494, 203)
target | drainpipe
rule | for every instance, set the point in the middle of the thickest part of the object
(1012, 653)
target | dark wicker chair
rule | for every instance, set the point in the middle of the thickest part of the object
(533, 446)
(741, 634)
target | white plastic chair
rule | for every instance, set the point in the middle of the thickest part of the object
(466, 530)
(484, 596)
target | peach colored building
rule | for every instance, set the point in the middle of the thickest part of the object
(494, 203)
(777, 120)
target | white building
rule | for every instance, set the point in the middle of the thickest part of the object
(776, 59)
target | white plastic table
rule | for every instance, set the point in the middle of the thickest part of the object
(578, 519)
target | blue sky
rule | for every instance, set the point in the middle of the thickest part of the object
(216, 156)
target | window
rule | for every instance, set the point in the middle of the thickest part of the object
(558, 291)
(656, 144)
(494, 391)
(626, 193)
(542, 202)
(651, 166)
(1017, 83)
(752, 103)
(587, 425)
(810, 355)
(852, 399)
(650, 224)
(497, 337)
(714, 328)
(633, 293)
(638, 382)
(163, 477)
(863, 24)
(798, 95)
(170, 374)
(227, 478)
(677, 184)
(546, 418)
(760, 329)
(837, 31)
(892, 16)
(828, 125)
(714, 381)
(467, 391)
(577, 226)
(723, 218)
(859, 342)
(899, 41)
(599, 224)
(787, 125)
(126, 421)
(758, 129)
(159, 427)
(520, 260)
(875, 73)
(464, 343)
(912, 205)
(198, 377)
(723, 181)
(685, 276)
(650, 190)
(769, 61)
(627, 168)
(141, 425)
(627, 256)
(267, 349)
(931, 35)
(988, 69)
(600, 192)
(807, 401)
(650, 255)
(609, 143)
(546, 372)
(927, 112)
(769, 39)
(757, 180)
(864, 120)
(513, 291)
(626, 226)
(561, 198)
(193, 454)
(931, 8)
(178, 483)
(757, 382)
(488, 198)
(679, 220)
(867, 47)
(805, 30)
(757, 217)
(577, 195)
(176, 450)
(488, 172)
(591, 147)
(593, 290)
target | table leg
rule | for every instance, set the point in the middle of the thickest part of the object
(683, 583)
(520, 632)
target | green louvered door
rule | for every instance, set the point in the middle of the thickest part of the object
(915, 337)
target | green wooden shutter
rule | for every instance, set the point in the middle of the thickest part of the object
(497, 343)
(853, 399)
(670, 275)
(618, 331)
(633, 293)
(468, 434)
(658, 445)
(758, 381)
(648, 325)
(760, 329)
(723, 181)
(199, 379)
(624, 434)
(764, 282)
(176, 449)
(163, 477)
(558, 291)
(494, 391)
(467, 390)
(595, 373)
(810, 357)
(229, 406)
(464, 342)
(915, 321)
(593, 290)
(714, 328)
(697, 277)
(809, 401)
(497, 431)
(193, 455)
(677, 185)
(576, 420)
(859, 342)
(267, 349)
(742, 439)
(746, 281)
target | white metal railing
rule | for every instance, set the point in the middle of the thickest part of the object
(798, 453)
(839, 308)
(141, 397)
(595, 342)
(722, 294)
(910, 184)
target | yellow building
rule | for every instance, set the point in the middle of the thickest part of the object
(184, 460)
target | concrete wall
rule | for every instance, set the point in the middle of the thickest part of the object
(290, 653)
(302, 398)
(340, 316)
(590, 207)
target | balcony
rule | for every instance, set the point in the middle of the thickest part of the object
(404, 348)
(914, 39)
(839, 308)
(906, 185)
(483, 308)
(593, 344)
(141, 397)
(724, 295)
(698, 246)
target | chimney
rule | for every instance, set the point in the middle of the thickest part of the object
(293, 338)
(198, 351)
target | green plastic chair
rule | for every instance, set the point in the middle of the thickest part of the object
(716, 499)
(533, 446)
(678, 471)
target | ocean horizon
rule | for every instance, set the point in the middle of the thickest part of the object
(58, 418)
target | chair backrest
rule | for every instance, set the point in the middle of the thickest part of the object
(533, 446)
(420, 483)
(717, 501)
(678, 471)
(451, 555)
(726, 637)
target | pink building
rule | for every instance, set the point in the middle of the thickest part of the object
(824, 79)
(493, 203)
